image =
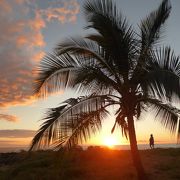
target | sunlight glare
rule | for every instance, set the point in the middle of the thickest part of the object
(110, 141)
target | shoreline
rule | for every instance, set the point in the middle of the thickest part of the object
(84, 147)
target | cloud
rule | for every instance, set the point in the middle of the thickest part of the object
(5, 5)
(15, 138)
(67, 11)
(20, 40)
(22, 43)
(17, 133)
(9, 118)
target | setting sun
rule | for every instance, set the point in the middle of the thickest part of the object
(110, 141)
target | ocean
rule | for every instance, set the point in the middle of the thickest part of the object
(116, 147)
(146, 146)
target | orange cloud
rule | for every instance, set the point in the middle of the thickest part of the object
(21, 40)
(22, 43)
(31, 35)
(15, 138)
(20, 1)
(38, 56)
(66, 13)
(17, 133)
(9, 118)
(6, 6)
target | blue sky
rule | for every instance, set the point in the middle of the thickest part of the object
(29, 29)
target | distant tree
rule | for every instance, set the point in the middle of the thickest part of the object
(114, 66)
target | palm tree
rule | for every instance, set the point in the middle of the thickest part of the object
(113, 66)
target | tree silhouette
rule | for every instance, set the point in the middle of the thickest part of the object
(113, 66)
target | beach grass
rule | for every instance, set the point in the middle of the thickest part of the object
(91, 164)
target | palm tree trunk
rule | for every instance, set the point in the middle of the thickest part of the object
(134, 150)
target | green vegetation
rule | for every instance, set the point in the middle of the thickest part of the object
(95, 163)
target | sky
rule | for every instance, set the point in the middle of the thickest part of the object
(31, 28)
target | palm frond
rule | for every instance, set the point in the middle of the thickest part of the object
(91, 54)
(55, 120)
(55, 73)
(167, 114)
(164, 84)
(120, 120)
(115, 35)
(151, 30)
(164, 59)
(162, 73)
(47, 130)
(151, 26)
(95, 79)
(90, 51)
(80, 127)
(104, 7)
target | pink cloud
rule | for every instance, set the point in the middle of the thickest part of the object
(6, 6)
(66, 13)
(17, 133)
(22, 43)
(20, 1)
(9, 118)
(15, 138)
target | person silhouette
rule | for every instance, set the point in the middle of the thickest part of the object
(151, 141)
